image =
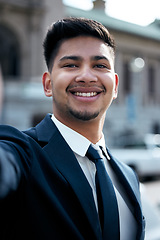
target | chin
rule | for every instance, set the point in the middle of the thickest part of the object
(84, 116)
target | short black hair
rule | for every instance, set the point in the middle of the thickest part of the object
(69, 28)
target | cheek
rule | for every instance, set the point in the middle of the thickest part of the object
(109, 82)
(61, 82)
(60, 89)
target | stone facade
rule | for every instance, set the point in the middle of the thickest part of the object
(23, 24)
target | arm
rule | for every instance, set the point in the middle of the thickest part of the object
(15, 158)
(10, 172)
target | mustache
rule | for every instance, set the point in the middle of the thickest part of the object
(85, 88)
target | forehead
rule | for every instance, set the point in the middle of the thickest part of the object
(84, 46)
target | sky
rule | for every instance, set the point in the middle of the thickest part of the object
(141, 12)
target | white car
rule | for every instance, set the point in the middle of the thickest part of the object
(142, 156)
(152, 217)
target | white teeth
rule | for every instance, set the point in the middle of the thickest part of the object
(90, 94)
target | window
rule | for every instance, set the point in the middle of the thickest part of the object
(126, 78)
(9, 53)
(151, 80)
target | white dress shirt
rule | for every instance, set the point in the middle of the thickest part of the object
(79, 145)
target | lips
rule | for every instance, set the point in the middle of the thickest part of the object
(85, 91)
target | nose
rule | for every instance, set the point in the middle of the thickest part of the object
(86, 74)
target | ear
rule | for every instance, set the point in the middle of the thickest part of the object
(47, 84)
(116, 86)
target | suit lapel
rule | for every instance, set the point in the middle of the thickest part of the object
(130, 185)
(66, 162)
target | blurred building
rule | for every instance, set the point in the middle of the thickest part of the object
(23, 24)
(22, 28)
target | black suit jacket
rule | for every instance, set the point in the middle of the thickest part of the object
(48, 196)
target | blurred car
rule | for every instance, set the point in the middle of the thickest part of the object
(152, 217)
(143, 155)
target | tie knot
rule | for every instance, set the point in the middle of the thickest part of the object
(94, 153)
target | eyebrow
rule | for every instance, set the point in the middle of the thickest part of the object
(79, 58)
(75, 58)
(100, 58)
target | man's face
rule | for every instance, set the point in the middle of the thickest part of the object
(82, 81)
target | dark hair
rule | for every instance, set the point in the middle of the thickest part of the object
(69, 28)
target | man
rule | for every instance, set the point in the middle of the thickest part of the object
(50, 187)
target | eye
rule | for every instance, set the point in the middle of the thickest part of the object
(102, 66)
(70, 65)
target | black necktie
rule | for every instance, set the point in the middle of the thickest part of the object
(107, 202)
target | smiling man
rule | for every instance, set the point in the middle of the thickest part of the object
(83, 84)
(58, 180)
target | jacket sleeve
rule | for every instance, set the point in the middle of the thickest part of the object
(10, 172)
(14, 159)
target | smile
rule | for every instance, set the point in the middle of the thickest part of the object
(87, 94)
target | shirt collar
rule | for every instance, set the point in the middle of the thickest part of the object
(78, 143)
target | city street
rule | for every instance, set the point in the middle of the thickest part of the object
(150, 195)
(152, 191)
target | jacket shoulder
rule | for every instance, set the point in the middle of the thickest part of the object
(31, 132)
(10, 133)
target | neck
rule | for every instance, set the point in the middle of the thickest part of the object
(92, 130)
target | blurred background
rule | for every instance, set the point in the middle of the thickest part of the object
(132, 125)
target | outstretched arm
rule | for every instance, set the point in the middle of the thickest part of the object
(9, 172)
